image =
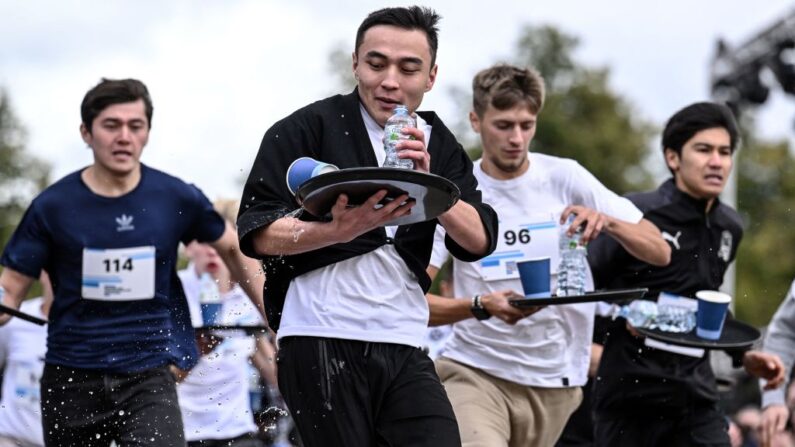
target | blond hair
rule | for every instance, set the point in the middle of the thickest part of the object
(504, 86)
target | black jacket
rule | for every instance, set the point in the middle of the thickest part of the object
(332, 130)
(632, 376)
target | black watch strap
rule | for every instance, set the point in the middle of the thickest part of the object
(478, 310)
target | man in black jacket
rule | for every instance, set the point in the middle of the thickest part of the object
(347, 295)
(649, 396)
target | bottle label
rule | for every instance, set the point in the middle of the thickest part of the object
(123, 274)
(519, 239)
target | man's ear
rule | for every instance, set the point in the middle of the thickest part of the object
(431, 78)
(85, 134)
(474, 121)
(354, 65)
(672, 159)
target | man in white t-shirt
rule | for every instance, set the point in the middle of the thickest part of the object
(214, 396)
(514, 380)
(22, 348)
(346, 295)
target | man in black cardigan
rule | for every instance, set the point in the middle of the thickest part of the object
(347, 294)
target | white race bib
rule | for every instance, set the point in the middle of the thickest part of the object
(122, 274)
(27, 385)
(521, 238)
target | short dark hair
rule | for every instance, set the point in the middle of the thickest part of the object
(411, 18)
(114, 91)
(694, 118)
(504, 86)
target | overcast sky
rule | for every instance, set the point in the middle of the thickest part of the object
(221, 72)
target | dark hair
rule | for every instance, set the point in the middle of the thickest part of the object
(411, 18)
(504, 86)
(694, 118)
(114, 91)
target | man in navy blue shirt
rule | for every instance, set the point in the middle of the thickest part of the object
(108, 236)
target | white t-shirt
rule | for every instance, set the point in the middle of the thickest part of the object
(214, 397)
(22, 349)
(372, 297)
(552, 347)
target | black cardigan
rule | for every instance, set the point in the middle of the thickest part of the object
(332, 130)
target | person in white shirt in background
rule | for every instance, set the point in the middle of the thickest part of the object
(22, 348)
(512, 380)
(436, 337)
(214, 395)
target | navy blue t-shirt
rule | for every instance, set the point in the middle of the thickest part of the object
(65, 221)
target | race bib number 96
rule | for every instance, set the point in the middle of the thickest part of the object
(519, 239)
(122, 274)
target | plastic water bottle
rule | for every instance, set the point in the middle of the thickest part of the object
(209, 299)
(639, 313)
(666, 317)
(675, 318)
(573, 264)
(392, 135)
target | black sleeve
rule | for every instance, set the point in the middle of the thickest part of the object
(265, 195)
(459, 171)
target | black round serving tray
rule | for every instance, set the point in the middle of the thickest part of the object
(735, 335)
(433, 194)
(600, 295)
(21, 315)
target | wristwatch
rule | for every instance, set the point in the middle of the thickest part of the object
(478, 310)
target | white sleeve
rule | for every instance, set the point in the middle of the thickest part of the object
(587, 190)
(439, 255)
(780, 340)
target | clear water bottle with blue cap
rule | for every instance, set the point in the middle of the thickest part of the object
(393, 135)
(572, 269)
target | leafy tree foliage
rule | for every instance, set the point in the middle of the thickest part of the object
(340, 63)
(766, 199)
(21, 175)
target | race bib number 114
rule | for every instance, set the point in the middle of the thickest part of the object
(122, 274)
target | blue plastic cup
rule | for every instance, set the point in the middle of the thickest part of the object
(711, 314)
(304, 169)
(534, 274)
(210, 312)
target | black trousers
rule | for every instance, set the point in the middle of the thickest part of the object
(352, 393)
(85, 408)
(699, 426)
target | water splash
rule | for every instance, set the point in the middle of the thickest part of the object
(296, 230)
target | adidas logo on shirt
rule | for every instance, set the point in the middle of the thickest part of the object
(125, 223)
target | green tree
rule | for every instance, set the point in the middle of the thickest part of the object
(341, 65)
(21, 175)
(766, 200)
